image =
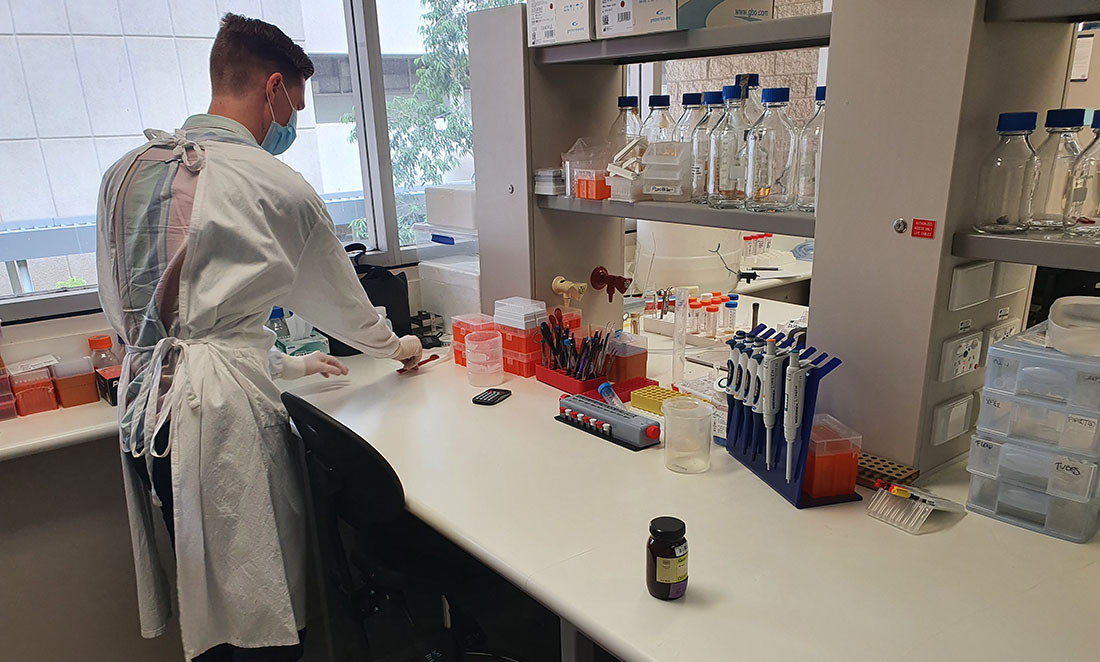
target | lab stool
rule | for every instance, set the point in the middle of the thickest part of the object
(371, 549)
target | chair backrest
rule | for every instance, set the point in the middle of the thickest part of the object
(363, 487)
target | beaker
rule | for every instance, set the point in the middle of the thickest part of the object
(484, 358)
(688, 434)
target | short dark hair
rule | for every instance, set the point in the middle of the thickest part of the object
(247, 47)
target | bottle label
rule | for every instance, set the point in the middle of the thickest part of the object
(662, 189)
(673, 570)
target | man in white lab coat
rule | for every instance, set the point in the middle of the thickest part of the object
(200, 233)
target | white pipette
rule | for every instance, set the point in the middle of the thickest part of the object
(771, 370)
(792, 405)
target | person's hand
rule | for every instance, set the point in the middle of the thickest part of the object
(409, 351)
(323, 364)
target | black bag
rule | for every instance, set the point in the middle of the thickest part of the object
(384, 288)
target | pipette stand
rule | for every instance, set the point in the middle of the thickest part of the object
(746, 441)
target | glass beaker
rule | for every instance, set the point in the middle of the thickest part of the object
(688, 434)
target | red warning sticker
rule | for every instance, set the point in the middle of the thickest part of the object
(924, 229)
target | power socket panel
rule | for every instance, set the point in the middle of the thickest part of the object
(995, 333)
(961, 355)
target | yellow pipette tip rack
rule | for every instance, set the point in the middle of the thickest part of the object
(651, 398)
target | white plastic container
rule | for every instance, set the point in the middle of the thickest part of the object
(626, 190)
(451, 285)
(1058, 474)
(667, 174)
(451, 205)
(1023, 365)
(1049, 515)
(519, 312)
(1075, 326)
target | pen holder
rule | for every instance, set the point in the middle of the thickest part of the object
(559, 380)
(746, 436)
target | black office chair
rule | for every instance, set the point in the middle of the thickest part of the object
(371, 549)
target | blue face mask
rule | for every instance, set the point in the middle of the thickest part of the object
(279, 137)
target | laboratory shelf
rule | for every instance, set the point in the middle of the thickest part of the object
(1049, 11)
(1044, 250)
(799, 224)
(774, 35)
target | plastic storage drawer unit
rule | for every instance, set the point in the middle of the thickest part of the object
(1049, 515)
(1039, 423)
(1050, 472)
(1023, 366)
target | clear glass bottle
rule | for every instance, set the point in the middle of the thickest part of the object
(1055, 156)
(726, 179)
(754, 108)
(629, 123)
(658, 125)
(1082, 213)
(700, 144)
(689, 119)
(771, 156)
(1006, 179)
(809, 155)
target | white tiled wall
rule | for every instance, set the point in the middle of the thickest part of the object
(81, 79)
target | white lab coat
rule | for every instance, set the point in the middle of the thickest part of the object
(259, 236)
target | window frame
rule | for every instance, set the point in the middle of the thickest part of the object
(365, 54)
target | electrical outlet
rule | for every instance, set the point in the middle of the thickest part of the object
(995, 333)
(960, 356)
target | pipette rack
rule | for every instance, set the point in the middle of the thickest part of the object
(745, 431)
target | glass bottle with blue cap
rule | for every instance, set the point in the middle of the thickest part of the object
(714, 111)
(726, 179)
(689, 118)
(1006, 179)
(754, 107)
(659, 124)
(809, 155)
(1082, 215)
(771, 155)
(1056, 156)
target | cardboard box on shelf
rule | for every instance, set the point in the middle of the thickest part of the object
(622, 18)
(710, 13)
(559, 21)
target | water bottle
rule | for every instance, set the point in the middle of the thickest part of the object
(809, 156)
(771, 156)
(1082, 214)
(1056, 157)
(659, 125)
(628, 124)
(693, 112)
(726, 179)
(1006, 179)
(277, 323)
(751, 84)
(700, 145)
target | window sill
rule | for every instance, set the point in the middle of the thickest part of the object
(49, 305)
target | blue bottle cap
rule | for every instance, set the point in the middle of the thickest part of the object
(1012, 122)
(1096, 120)
(692, 99)
(731, 304)
(1064, 118)
(712, 98)
(628, 102)
(735, 297)
(820, 94)
(754, 79)
(776, 95)
(659, 100)
(731, 92)
(276, 313)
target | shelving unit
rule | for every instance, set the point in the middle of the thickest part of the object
(774, 35)
(799, 224)
(1056, 251)
(1048, 11)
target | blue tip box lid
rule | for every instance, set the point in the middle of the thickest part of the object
(1011, 122)
(776, 94)
(628, 102)
(277, 313)
(659, 100)
(1065, 118)
(692, 99)
(820, 94)
(712, 98)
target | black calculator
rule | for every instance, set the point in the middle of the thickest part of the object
(492, 396)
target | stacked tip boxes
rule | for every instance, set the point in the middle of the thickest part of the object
(1034, 461)
(518, 319)
(464, 325)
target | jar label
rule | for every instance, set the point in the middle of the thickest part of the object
(673, 570)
